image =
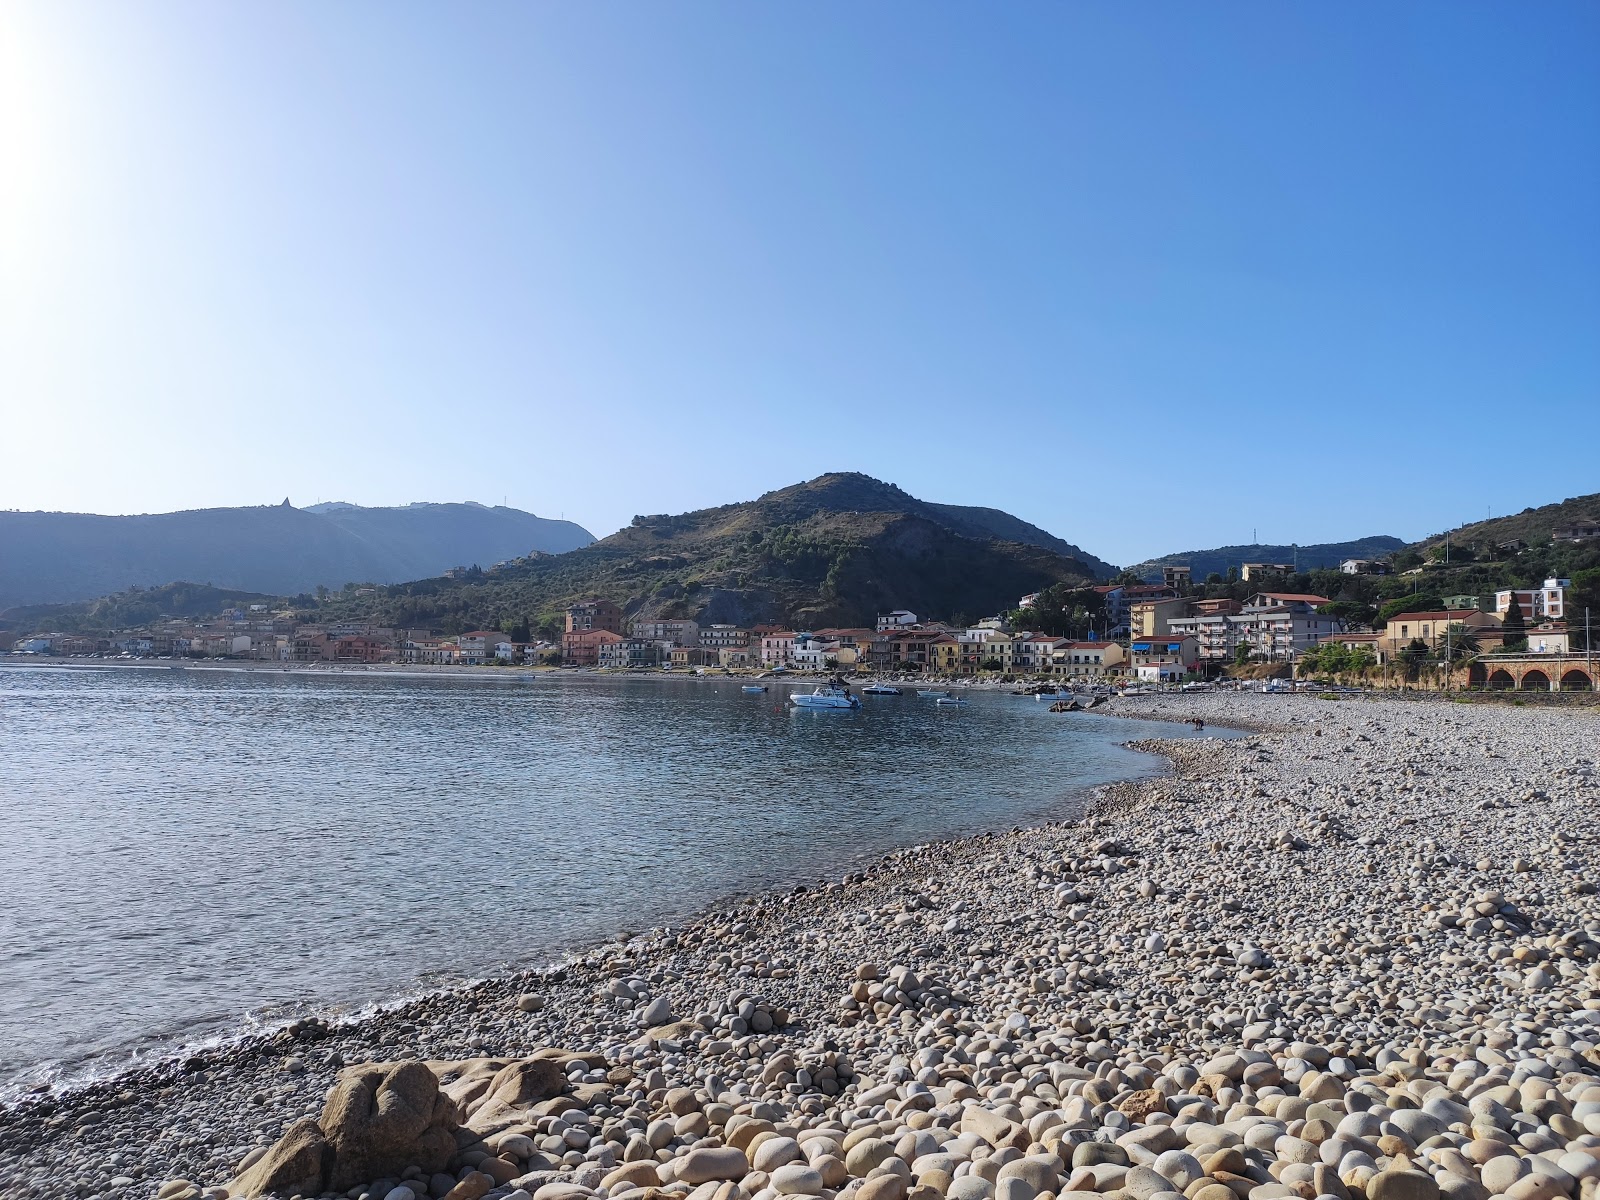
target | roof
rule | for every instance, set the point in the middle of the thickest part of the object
(1449, 614)
(1089, 645)
(1303, 597)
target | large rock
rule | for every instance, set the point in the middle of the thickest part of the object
(300, 1161)
(379, 1119)
(382, 1119)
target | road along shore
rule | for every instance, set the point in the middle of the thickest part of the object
(1354, 955)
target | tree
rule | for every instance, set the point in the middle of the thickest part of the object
(1412, 658)
(1584, 598)
(1515, 626)
(1242, 655)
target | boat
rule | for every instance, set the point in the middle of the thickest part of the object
(833, 694)
(880, 689)
(952, 701)
(754, 687)
(932, 693)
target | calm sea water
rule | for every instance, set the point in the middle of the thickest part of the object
(183, 851)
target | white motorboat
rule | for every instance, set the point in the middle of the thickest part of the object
(952, 701)
(932, 693)
(880, 689)
(754, 687)
(827, 695)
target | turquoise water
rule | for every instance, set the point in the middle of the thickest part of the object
(183, 851)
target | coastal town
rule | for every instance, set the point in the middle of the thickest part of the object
(1149, 633)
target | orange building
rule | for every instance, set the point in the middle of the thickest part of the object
(581, 647)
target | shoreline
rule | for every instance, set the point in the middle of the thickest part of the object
(165, 1053)
(929, 908)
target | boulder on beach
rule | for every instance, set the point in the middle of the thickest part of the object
(379, 1119)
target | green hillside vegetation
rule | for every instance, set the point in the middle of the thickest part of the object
(1534, 526)
(135, 607)
(1309, 558)
(834, 551)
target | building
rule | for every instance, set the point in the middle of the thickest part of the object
(1119, 598)
(1463, 601)
(309, 645)
(677, 633)
(1250, 572)
(1035, 652)
(358, 647)
(738, 656)
(777, 648)
(681, 657)
(581, 647)
(1176, 650)
(1217, 635)
(944, 655)
(898, 619)
(594, 614)
(1430, 628)
(1364, 566)
(716, 637)
(1549, 639)
(1152, 617)
(1578, 531)
(1177, 578)
(430, 651)
(1280, 626)
(478, 646)
(632, 653)
(1546, 603)
(1088, 661)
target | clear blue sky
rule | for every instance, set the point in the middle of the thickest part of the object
(1148, 275)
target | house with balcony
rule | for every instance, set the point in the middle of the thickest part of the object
(594, 614)
(777, 648)
(900, 618)
(1546, 603)
(581, 647)
(673, 632)
(1088, 662)
(1034, 653)
(1181, 650)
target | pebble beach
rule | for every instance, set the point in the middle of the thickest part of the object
(1353, 955)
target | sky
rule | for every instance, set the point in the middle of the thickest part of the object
(1151, 276)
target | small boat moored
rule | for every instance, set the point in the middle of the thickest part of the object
(754, 687)
(833, 694)
(932, 693)
(880, 689)
(950, 701)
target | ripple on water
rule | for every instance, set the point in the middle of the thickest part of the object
(188, 848)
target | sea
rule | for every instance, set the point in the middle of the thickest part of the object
(192, 854)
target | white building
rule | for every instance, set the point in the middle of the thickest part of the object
(898, 619)
(1547, 603)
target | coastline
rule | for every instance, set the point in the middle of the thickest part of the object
(936, 908)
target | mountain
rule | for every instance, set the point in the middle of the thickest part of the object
(993, 523)
(65, 557)
(1532, 525)
(1309, 558)
(836, 550)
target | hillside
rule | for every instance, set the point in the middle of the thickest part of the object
(993, 523)
(67, 557)
(1531, 525)
(134, 607)
(1217, 561)
(834, 551)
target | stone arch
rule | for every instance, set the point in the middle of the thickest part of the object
(1501, 678)
(1576, 680)
(1535, 681)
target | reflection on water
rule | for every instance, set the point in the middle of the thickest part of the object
(183, 848)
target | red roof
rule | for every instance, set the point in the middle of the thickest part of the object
(1449, 614)
(1300, 596)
